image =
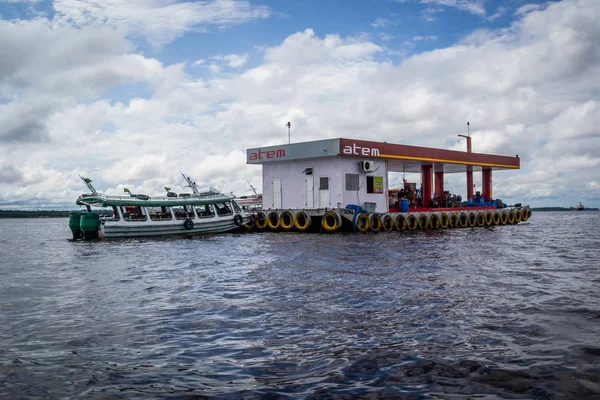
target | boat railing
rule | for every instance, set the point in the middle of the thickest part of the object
(202, 196)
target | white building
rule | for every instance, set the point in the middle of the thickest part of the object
(321, 174)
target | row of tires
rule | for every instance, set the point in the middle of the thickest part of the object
(463, 219)
(286, 220)
(331, 221)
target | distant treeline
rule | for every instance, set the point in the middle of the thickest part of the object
(550, 209)
(44, 213)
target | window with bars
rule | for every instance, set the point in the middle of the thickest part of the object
(352, 182)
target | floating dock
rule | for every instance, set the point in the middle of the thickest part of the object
(305, 185)
(356, 220)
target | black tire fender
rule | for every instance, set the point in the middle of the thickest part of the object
(238, 220)
(188, 224)
(250, 224)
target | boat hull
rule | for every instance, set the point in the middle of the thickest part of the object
(117, 229)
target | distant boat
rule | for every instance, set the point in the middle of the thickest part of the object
(579, 207)
(253, 202)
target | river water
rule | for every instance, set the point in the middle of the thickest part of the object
(503, 312)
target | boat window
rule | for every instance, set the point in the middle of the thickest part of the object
(183, 212)
(159, 213)
(133, 213)
(236, 207)
(115, 215)
(224, 208)
(166, 213)
(205, 211)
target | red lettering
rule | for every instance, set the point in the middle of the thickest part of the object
(261, 155)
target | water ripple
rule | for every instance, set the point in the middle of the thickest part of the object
(504, 312)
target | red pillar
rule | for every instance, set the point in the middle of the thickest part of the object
(469, 183)
(426, 178)
(486, 183)
(439, 184)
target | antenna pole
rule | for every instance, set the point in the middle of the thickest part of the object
(88, 183)
(191, 184)
(289, 125)
(468, 137)
(252, 187)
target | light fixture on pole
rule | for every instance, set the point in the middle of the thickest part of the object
(468, 136)
(289, 125)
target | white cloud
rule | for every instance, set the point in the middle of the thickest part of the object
(528, 8)
(472, 6)
(28, 48)
(232, 60)
(499, 12)
(428, 13)
(424, 38)
(158, 21)
(380, 23)
(236, 60)
(305, 48)
(44, 69)
(531, 89)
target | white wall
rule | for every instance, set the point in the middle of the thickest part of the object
(351, 166)
(294, 187)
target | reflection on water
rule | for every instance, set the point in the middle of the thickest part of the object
(505, 312)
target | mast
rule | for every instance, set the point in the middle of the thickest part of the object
(88, 183)
(191, 184)
(252, 187)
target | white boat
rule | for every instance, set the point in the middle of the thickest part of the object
(141, 215)
(250, 203)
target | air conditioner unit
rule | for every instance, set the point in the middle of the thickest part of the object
(367, 166)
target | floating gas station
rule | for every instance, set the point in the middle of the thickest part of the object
(349, 177)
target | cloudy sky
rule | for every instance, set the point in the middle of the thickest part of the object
(129, 92)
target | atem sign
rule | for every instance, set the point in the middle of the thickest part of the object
(266, 154)
(354, 149)
(293, 151)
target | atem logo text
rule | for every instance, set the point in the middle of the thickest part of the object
(266, 154)
(360, 151)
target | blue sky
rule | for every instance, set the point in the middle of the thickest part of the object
(130, 91)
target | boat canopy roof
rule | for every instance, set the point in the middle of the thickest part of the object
(102, 200)
(196, 198)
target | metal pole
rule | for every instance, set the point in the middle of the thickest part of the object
(289, 125)
(468, 137)
(469, 168)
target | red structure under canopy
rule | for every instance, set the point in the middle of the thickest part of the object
(430, 162)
